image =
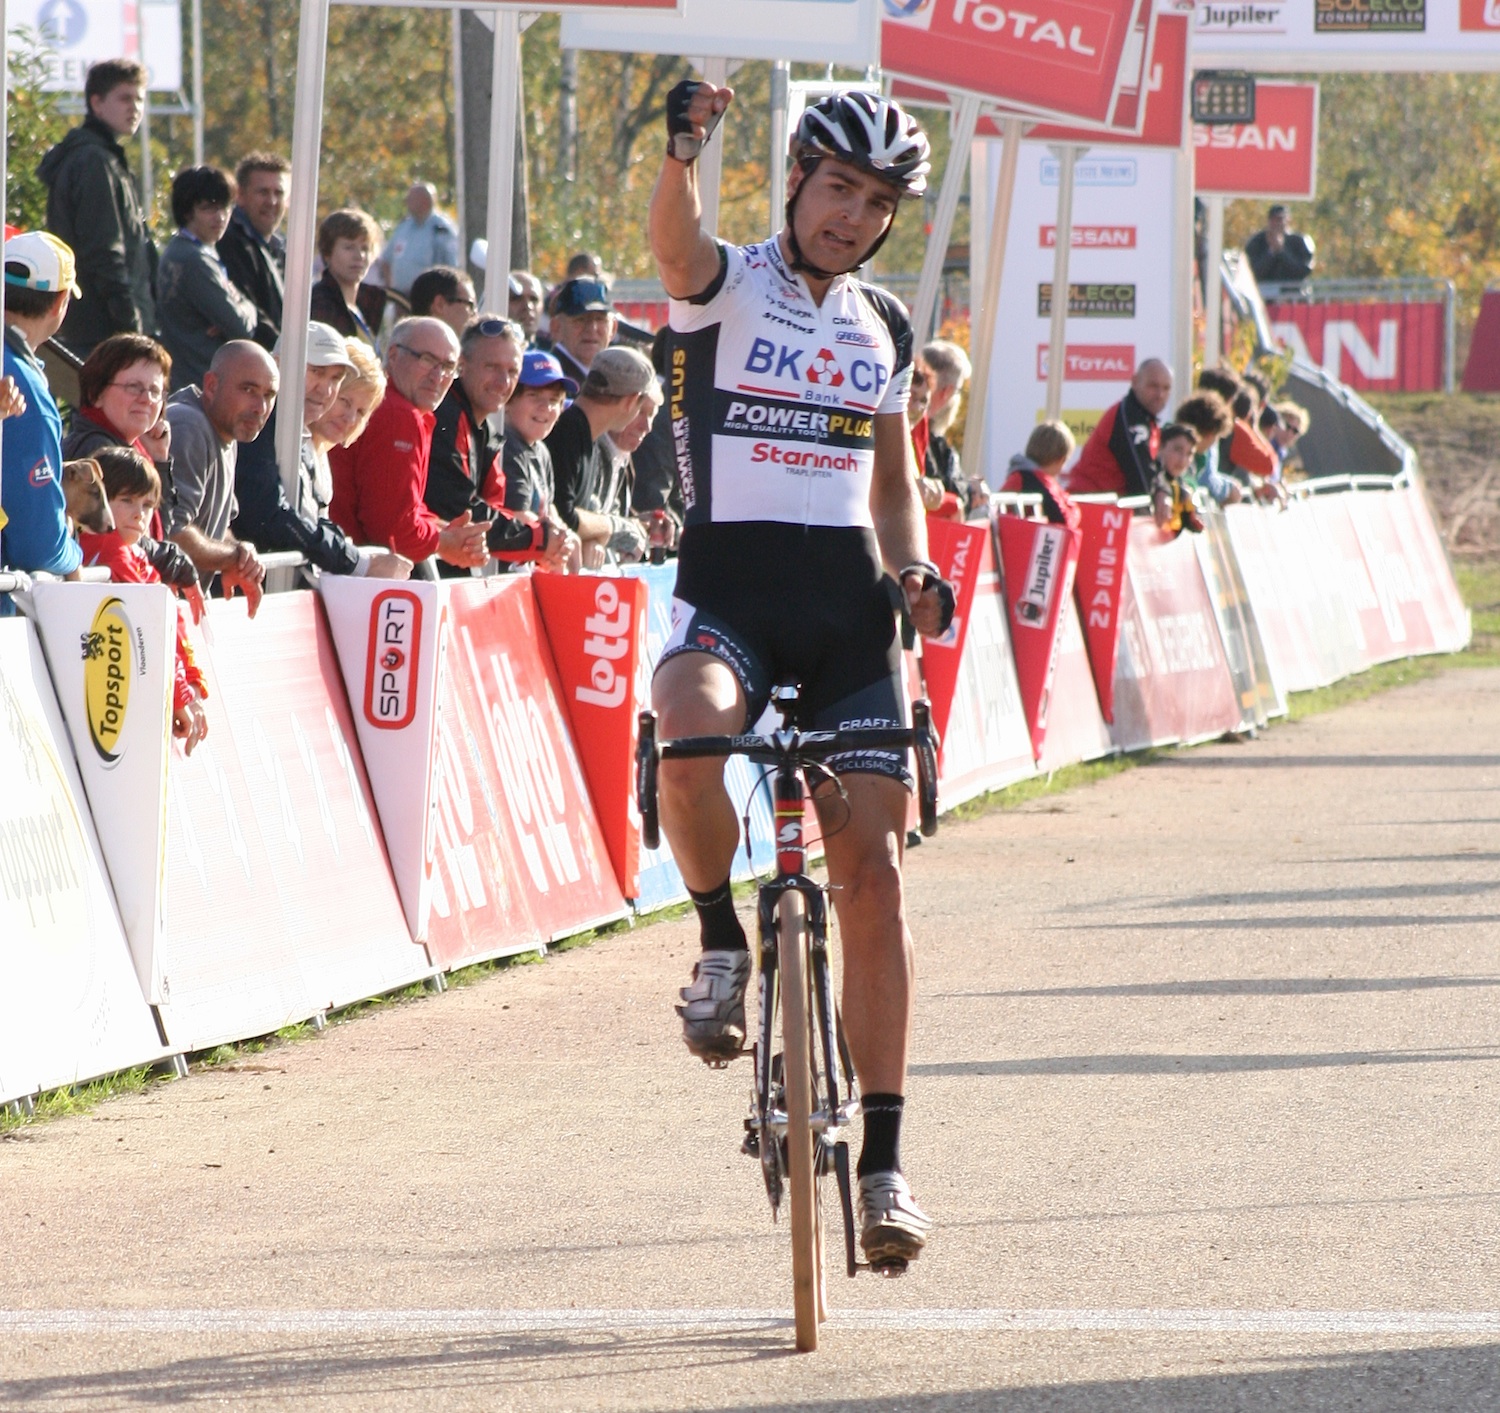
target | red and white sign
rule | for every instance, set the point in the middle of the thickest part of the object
(1091, 362)
(1076, 729)
(1392, 347)
(1092, 238)
(1038, 561)
(1274, 158)
(1479, 16)
(597, 631)
(1100, 582)
(1067, 58)
(958, 551)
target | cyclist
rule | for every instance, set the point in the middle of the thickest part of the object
(787, 383)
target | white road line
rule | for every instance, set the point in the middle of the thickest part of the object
(478, 1322)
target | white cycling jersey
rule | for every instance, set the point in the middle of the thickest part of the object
(772, 397)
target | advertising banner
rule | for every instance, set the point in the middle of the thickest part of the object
(1076, 730)
(1451, 624)
(111, 649)
(1400, 580)
(279, 896)
(1120, 299)
(1336, 36)
(1064, 58)
(1278, 596)
(988, 743)
(1375, 616)
(70, 1005)
(1375, 347)
(1274, 158)
(1234, 636)
(72, 34)
(1099, 584)
(957, 550)
(1038, 561)
(828, 32)
(596, 628)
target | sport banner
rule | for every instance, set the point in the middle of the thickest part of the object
(596, 628)
(1229, 615)
(279, 897)
(1076, 729)
(1038, 561)
(1278, 603)
(1400, 580)
(521, 830)
(1100, 582)
(1374, 614)
(111, 649)
(987, 744)
(70, 1005)
(957, 550)
(1370, 346)
(1451, 624)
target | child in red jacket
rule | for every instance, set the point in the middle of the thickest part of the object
(134, 490)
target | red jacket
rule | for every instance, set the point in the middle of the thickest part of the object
(378, 482)
(1117, 456)
(127, 564)
(1250, 451)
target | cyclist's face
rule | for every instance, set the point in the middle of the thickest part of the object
(841, 212)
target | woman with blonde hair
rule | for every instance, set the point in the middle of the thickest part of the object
(361, 392)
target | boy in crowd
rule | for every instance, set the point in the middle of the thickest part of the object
(1171, 499)
(541, 393)
(1038, 471)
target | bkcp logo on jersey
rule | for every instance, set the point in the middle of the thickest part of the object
(391, 667)
(107, 649)
(820, 368)
(1370, 16)
(1481, 16)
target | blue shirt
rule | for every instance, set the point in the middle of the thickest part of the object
(35, 537)
(415, 246)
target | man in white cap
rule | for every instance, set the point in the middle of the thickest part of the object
(39, 282)
(266, 517)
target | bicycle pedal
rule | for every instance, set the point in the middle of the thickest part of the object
(889, 1267)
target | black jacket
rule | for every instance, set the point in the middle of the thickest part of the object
(1292, 264)
(257, 268)
(327, 307)
(92, 205)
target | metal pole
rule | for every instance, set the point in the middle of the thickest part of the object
(460, 185)
(148, 175)
(1182, 263)
(924, 309)
(983, 340)
(781, 73)
(197, 83)
(1449, 349)
(1213, 295)
(711, 163)
(505, 82)
(1057, 354)
(302, 228)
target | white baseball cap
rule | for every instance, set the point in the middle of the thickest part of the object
(45, 262)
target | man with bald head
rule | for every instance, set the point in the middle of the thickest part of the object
(379, 480)
(1118, 454)
(423, 238)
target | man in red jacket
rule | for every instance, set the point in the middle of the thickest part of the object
(379, 480)
(1117, 456)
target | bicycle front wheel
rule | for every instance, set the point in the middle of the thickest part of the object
(807, 1264)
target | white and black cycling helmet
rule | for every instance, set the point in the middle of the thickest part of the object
(869, 131)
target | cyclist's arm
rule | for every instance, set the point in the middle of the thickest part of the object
(686, 255)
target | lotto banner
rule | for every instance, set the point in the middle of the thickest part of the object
(111, 649)
(1100, 582)
(596, 628)
(1038, 561)
(1076, 729)
(279, 897)
(1400, 581)
(70, 1005)
(957, 550)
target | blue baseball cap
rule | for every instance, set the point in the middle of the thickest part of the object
(539, 369)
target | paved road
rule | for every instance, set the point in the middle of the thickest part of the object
(1204, 1101)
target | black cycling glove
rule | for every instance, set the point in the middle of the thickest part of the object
(947, 600)
(682, 142)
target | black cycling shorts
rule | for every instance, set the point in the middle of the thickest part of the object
(783, 603)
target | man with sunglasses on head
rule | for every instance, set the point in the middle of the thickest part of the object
(787, 386)
(378, 480)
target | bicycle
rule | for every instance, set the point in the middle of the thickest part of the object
(804, 1081)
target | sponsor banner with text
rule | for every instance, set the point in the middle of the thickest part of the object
(957, 550)
(1238, 632)
(828, 32)
(1273, 158)
(1446, 610)
(1076, 728)
(71, 1007)
(1391, 347)
(1099, 585)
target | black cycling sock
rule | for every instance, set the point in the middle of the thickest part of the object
(882, 1150)
(720, 928)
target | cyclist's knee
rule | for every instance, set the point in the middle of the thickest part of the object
(696, 695)
(871, 884)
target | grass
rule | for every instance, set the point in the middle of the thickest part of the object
(1479, 582)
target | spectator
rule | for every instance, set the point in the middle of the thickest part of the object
(347, 416)
(237, 395)
(1118, 454)
(424, 237)
(378, 480)
(657, 488)
(525, 292)
(1279, 255)
(39, 281)
(582, 323)
(197, 307)
(252, 249)
(1038, 471)
(632, 536)
(1248, 456)
(541, 393)
(1172, 502)
(948, 373)
(92, 207)
(446, 294)
(134, 492)
(608, 401)
(267, 518)
(1210, 418)
(585, 265)
(347, 241)
(1292, 422)
(921, 434)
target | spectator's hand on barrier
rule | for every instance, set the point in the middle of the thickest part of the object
(593, 555)
(12, 399)
(560, 547)
(693, 112)
(1235, 495)
(189, 725)
(247, 574)
(1268, 492)
(1161, 508)
(194, 596)
(158, 439)
(978, 496)
(931, 491)
(929, 600)
(389, 565)
(463, 543)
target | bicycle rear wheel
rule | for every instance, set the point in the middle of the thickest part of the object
(807, 1263)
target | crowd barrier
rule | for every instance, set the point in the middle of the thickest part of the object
(404, 778)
